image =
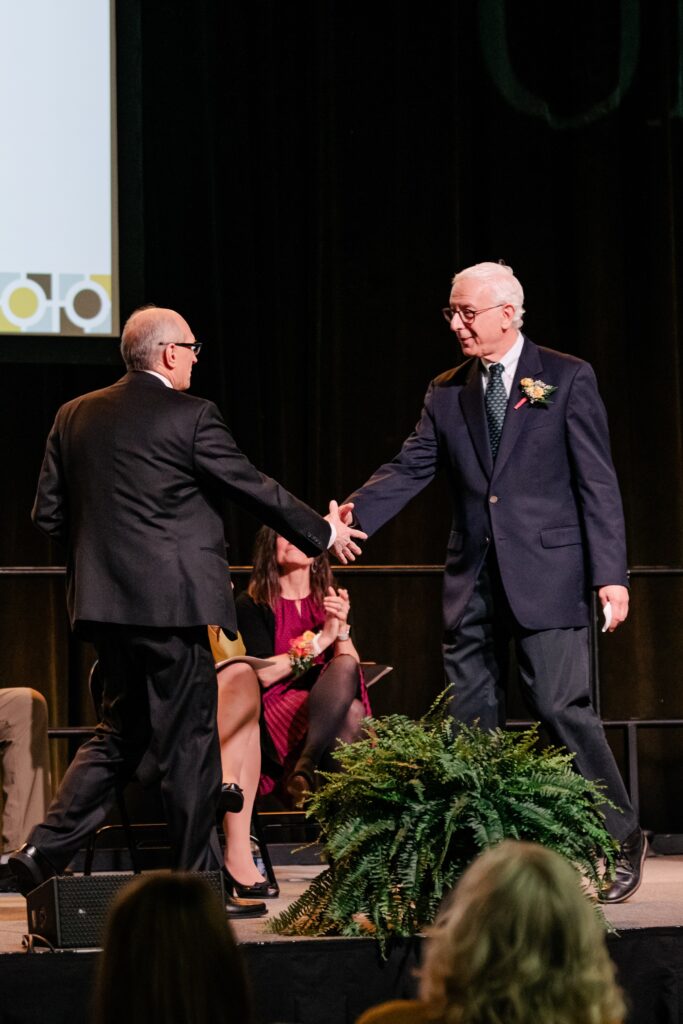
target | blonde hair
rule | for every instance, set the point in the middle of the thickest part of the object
(519, 943)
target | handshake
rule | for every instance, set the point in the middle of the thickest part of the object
(344, 544)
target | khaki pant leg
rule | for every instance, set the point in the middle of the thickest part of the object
(25, 763)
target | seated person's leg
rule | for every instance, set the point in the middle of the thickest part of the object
(237, 827)
(239, 703)
(349, 732)
(330, 713)
(25, 763)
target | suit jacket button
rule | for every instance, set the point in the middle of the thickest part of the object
(493, 499)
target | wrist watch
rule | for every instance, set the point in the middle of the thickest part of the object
(344, 633)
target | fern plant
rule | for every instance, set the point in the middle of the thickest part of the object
(414, 803)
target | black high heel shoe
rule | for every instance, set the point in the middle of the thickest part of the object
(231, 800)
(264, 890)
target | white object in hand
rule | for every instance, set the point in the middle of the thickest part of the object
(607, 612)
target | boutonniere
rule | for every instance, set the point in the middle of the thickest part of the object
(535, 392)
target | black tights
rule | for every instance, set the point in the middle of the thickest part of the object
(334, 712)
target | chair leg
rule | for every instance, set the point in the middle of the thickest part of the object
(128, 831)
(89, 854)
(259, 838)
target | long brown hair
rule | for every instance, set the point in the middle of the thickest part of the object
(169, 957)
(264, 584)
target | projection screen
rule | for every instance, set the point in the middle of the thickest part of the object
(58, 244)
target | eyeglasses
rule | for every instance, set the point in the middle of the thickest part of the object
(467, 315)
(196, 346)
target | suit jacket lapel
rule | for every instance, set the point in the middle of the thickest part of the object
(529, 365)
(472, 404)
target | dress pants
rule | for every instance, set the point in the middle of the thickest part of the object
(159, 694)
(554, 674)
(24, 763)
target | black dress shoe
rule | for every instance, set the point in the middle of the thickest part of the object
(8, 880)
(238, 909)
(231, 800)
(264, 890)
(30, 867)
(629, 869)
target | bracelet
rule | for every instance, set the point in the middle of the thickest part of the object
(344, 634)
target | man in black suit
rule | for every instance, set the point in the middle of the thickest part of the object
(522, 434)
(131, 483)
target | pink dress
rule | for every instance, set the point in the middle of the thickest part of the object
(285, 703)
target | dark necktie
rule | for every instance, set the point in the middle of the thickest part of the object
(496, 403)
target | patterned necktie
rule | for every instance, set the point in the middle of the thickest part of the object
(496, 403)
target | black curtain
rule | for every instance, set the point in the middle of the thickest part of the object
(301, 180)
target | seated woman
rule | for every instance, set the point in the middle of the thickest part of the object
(313, 693)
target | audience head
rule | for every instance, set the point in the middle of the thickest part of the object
(169, 957)
(518, 942)
(273, 556)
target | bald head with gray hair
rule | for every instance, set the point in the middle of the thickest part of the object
(504, 286)
(146, 331)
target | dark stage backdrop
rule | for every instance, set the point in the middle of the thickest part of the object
(300, 180)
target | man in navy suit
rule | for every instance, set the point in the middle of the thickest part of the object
(131, 483)
(537, 525)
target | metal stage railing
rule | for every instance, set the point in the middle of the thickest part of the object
(630, 726)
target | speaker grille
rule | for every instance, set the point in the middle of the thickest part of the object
(70, 911)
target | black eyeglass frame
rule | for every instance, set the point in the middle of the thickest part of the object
(468, 316)
(196, 346)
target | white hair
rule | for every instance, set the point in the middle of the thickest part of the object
(502, 282)
(145, 331)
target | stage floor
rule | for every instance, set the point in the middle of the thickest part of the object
(332, 980)
(657, 904)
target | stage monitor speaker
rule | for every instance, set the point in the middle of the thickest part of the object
(69, 911)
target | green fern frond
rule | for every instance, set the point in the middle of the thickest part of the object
(416, 801)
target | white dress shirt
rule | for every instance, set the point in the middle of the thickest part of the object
(509, 362)
(160, 376)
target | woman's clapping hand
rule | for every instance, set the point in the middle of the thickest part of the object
(337, 604)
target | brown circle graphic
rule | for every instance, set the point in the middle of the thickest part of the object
(87, 304)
